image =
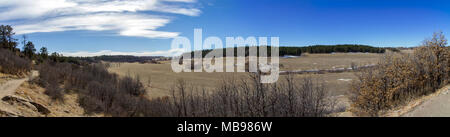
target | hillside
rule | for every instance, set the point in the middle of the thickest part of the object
(22, 98)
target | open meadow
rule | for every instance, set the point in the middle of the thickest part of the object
(159, 78)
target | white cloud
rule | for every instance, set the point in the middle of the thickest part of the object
(171, 52)
(18, 9)
(137, 25)
(181, 0)
(125, 17)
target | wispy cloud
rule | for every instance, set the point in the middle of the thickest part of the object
(172, 52)
(124, 17)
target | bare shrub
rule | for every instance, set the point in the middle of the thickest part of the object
(90, 104)
(132, 86)
(10, 63)
(100, 91)
(250, 98)
(55, 92)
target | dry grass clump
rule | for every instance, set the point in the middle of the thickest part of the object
(401, 77)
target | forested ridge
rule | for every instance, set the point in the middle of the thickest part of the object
(315, 49)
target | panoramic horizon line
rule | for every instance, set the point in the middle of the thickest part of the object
(172, 52)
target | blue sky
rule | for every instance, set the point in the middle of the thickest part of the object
(77, 27)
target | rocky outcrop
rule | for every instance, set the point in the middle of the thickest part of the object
(6, 113)
(41, 109)
(16, 100)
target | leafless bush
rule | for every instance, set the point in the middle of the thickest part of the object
(132, 86)
(90, 104)
(100, 91)
(55, 92)
(251, 98)
(10, 63)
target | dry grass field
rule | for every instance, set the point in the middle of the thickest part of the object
(163, 78)
(328, 61)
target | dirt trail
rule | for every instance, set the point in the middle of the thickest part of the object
(10, 87)
(437, 106)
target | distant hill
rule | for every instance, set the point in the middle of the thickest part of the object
(283, 51)
(297, 51)
(346, 48)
